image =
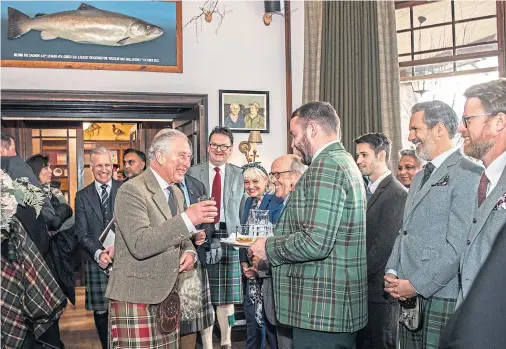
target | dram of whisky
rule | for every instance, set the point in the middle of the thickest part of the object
(243, 238)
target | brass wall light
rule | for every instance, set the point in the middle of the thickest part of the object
(251, 145)
(271, 7)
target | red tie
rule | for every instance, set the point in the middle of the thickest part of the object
(216, 192)
(482, 188)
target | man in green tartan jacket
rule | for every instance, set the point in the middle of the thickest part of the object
(318, 253)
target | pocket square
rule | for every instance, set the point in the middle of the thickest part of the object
(442, 182)
(501, 203)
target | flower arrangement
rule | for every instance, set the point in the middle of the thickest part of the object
(8, 201)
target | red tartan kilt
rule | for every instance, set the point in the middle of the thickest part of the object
(134, 326)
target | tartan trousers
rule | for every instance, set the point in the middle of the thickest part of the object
(436, 312)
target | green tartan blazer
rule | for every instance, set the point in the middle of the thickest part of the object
(318, 253)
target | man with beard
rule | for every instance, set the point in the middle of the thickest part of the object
(384, 219)
(318, 253)
(423, 266)
(134, 163)
(94, 211)
(483, 128)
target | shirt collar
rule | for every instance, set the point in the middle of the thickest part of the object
(373, 186)
(222, 167)
(438, 160)
(322, 148)
(161, 182)
(98, 185)
(495, 169)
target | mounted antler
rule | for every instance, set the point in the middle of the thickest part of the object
(207, 10)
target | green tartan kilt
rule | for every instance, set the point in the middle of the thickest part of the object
(95, 280)
(225, 276)
(436, 312)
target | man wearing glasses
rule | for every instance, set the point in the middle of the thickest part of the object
(225, 183)
(422, 271)
(484, 132)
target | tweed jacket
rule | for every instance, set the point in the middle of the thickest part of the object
(318, 253)
(487, 221)
(435, 225)
(232, 192)
(384, 219)
(149, 242)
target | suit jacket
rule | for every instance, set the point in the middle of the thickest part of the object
(318, 253)
(89, 220)
(486, 222)
(481, 319)
(195, 190)
(384, 219)
(435, 224)
(232, 192)
(149, 242)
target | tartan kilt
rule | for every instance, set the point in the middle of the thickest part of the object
(95, 280)
(205, 318)
(134, 326)
(436, 312)
(225, 276)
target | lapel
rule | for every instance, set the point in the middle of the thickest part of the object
(157, 194)
(488, 205)
(192, 193)
(264, 205)
(114, 189)
(203, 174)
(94, 200)
(381, 188)
(228, 184)
(441, 171)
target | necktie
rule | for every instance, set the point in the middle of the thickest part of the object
(172, 201)
(104, 200)
(482, 188)
(427, 172)
(368, 192)
(216, 192)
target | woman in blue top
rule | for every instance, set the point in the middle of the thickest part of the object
(258, 187)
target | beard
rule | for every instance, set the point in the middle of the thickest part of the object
(428, 146)
(304, 148)
(478, 149)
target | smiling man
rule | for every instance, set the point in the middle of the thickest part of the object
(423, 266)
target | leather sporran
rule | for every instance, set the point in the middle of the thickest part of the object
(169, 312)
(190, 293)
(215, 254)
(411, 314)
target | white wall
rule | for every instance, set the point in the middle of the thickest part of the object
(244, 55)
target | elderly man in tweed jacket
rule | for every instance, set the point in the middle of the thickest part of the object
(318, 253)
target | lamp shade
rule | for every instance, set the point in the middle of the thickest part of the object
(255, 137)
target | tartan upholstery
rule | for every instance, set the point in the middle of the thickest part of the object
(318, 253)
(436, 313)
(95, 280)
(133, 326)
(206, 316)
(225, 276)
(28, 290)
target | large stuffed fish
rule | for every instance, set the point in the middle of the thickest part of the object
(87, 25)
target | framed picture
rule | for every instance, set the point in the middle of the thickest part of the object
(109, 35)
(61, 158)
(243, 111)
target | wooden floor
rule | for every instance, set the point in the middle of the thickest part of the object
(77, 327)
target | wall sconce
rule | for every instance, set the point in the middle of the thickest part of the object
(251, 145)
(271, 7)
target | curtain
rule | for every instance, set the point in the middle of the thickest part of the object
(312, 50)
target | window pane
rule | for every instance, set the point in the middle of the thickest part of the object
(477, 31)
(472, 9)
(433, 38)
(471, 64)
(402, 19)
(435, 13)
(404, 43)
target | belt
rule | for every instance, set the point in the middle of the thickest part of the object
(223, 226)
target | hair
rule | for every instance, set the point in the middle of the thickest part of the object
(435, 112)
(378, 142)
(255, 104)
(99, 151)
(162, 142)
(492, 95)
(254, 172)
(322, 113)
(222, 131)
(37, 163)
(412, 153)
(139, 153)
(6, 140)
(296, 164)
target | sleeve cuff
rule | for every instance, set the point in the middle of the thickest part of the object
(188, 223)
(97, 255)
(391, 271)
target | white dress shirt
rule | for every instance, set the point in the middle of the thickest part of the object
(212, 174)
(494, 171)
(374, 186)
(438, 160)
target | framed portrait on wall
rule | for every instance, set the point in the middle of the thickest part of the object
(244, 111)
(104, 35)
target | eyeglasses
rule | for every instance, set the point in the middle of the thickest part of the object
(466, 118)
(222, 147)
(277, 174)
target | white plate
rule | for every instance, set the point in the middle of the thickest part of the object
(235, 243)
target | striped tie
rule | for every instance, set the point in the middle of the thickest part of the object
(104, 200)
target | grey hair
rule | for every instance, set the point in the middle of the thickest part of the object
(253, 173)
(161, 142)
(412, 153)
(296, 165)
(100, 151)
(435, 112)
(492, 95)
(322, 113)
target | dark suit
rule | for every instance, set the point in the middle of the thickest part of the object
(385, 209)
(89, 226)
(480, 320)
